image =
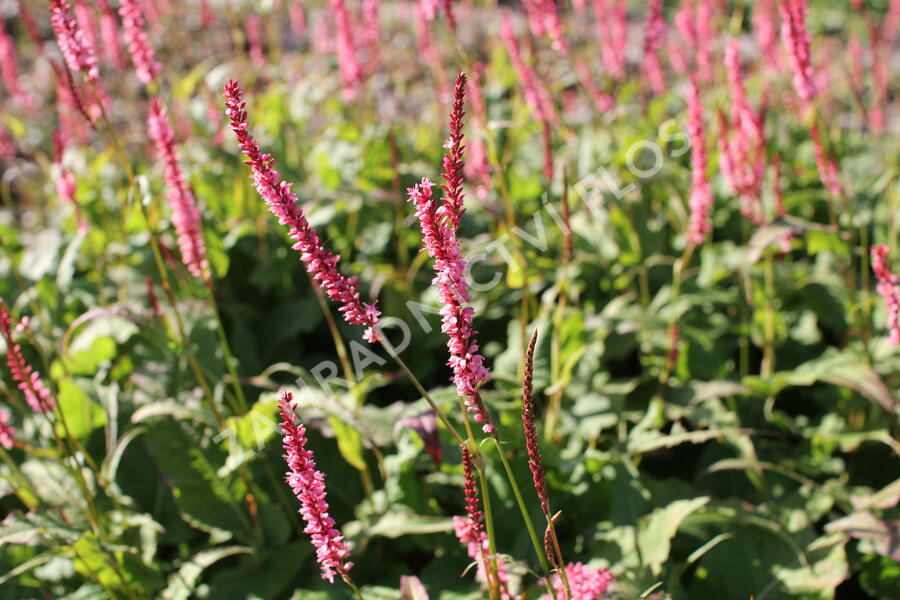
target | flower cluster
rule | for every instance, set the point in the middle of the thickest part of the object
(586, 583)
(145, 64)
(887, 288)
(543, 17)
(701, 197)
(185, 215)
(320, 263)
(308, 485)
(38, 395)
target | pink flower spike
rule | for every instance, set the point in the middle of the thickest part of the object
(145, 65)
(308, 485)
(795, 37)
(7, 431)
(701, 197)
(887, 287)
(253, 27)
(109, 28)
(536, 95)
(185, 215)
(470, 531)
(320, 263)
(586, 583)
(705, 35)
(654, 36)
(439, 239)
(37, 395)
(77, 52)
(351, 71)
(9, 69)
(742, 142)
(765, 27)
(612, 20)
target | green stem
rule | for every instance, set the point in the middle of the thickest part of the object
(437, 410)
(524, 510)
(226, 348)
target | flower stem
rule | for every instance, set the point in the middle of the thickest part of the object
(521, 502)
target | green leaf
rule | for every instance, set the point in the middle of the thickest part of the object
(81, 415)
(183, 583)
(349, 442)
(657, 529)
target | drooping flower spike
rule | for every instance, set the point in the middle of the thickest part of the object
(37, 395)
(308, 485)
(319, 262)
(185, 215)
(888, 288)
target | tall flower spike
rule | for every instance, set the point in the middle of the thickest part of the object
(535, 462)
(742, 142)
(705, 35)
(587, 583)
(612, 21)
(453, 159)
(439, 226)
(470, 531)
(109, 28)
(320, 263)
(37, 395)
(9, 69)
(795, 37)
(185, 215)
(77, 52)
(765, 28)
(145, 64)
(439, 239)
(536, 95)
(308, 485)
(701, 197)
(654, 36)
(887, 288)
(351, 71)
